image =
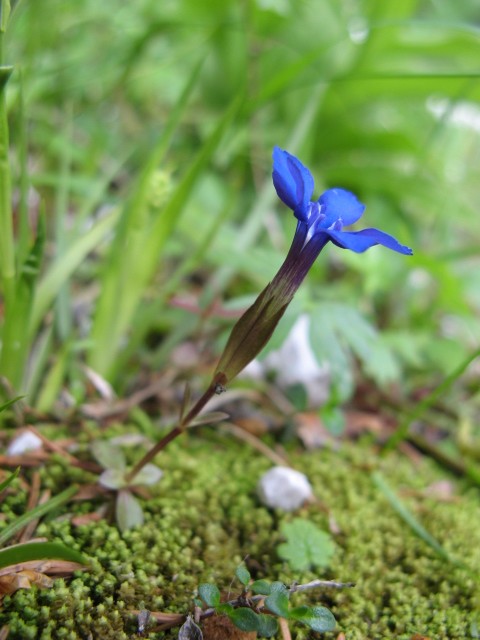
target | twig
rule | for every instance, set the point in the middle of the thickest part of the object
(254, 442)
(314, 584)
(284, 630)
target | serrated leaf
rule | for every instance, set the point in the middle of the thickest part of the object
(319, 619)
(190, 630)
(306, 545)
(109, 455)
(210, 594)
(245, 619)
(278, 603)
(128, 512)
(267, 626)
(262, 587)
(243, 574)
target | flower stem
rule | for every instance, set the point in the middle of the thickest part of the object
(216, 386)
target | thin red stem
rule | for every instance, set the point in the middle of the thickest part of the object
(215, 387)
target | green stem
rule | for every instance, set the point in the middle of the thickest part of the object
(7, 249)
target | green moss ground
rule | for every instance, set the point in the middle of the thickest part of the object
(204, 518)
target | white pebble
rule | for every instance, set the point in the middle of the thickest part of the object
(284, 488)
(26, 441)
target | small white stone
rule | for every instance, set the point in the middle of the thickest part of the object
(25, 441)
(284, 488)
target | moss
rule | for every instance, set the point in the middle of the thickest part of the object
(203, 518)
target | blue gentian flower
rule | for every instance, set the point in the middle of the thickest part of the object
(319, 222)
(324, 219)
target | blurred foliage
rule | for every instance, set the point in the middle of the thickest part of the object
(142, 134)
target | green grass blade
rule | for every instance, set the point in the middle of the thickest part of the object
(408, 517)
(37, 363)
(9, 403)
(16, 341)
(10, 479)
(24, 238)
(37, 512)
(401, 432)
(63, 303)
(53, 380)
(131, 272)
(30, 551)
(7, 247)
(63, 268)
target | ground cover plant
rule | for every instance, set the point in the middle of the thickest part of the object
(138, 224)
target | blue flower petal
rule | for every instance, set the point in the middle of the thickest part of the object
(340, 203)
(292, 181)
(360, 241)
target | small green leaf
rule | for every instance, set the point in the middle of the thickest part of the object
(128, 512)
(210, 594)
(11, 478)
(245, 619)
(267, 626)
(262, 587)
(150, 474)
(226, 608)
(243, 574)
(278, 586)
(297, 613)
(112, 479)
(109, 455)
(306, 545)
(318, 619)
(278, 603)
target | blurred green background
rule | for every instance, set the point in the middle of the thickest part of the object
(141, 137)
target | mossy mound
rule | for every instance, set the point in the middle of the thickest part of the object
(204, 518)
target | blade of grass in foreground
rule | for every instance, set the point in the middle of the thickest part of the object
(30, 551)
